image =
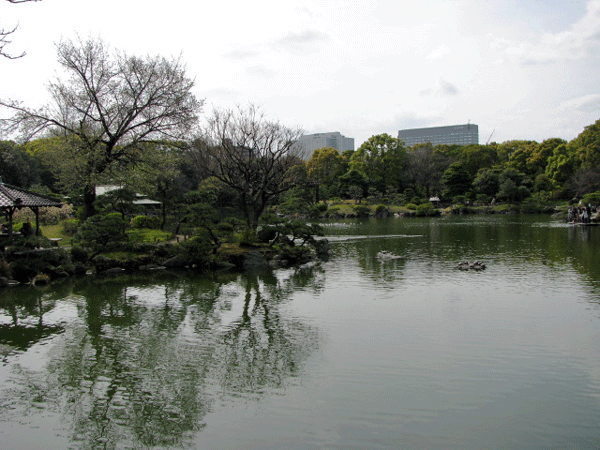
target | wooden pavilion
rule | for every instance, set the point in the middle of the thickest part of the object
(13, 198)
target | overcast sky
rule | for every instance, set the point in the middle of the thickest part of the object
(520, 69)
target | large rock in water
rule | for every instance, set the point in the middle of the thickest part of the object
(254, 260)
(178, 261)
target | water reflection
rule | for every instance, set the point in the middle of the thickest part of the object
(143, 361)
(435, 245)
(23, 323)
(356, 353)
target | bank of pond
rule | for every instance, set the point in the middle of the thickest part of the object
(39, 260)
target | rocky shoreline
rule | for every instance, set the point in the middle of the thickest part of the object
(41, 265)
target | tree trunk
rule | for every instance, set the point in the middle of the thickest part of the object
(163, 211)
(89, 197)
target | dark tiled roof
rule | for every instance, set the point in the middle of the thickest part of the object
(14, 196)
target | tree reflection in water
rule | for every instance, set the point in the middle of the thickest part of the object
(143, 361)
(261, 350)
(24, 323)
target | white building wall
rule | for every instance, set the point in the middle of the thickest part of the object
(311, 142)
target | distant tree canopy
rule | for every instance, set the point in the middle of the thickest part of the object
(381, 159)
(324, 167)
(20, 168)
(510, 171)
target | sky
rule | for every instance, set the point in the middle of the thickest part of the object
(520, 69)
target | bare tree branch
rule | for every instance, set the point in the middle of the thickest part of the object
(5, 33)
(250, 154)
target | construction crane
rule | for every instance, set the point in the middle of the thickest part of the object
(488, 141)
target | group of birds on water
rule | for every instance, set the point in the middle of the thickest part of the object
(463, 265)
(466, 265)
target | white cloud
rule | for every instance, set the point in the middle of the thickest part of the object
(586, 103)
(242, 53)
(439, 52)
(362, 68)
(582, 38)
(302, 40)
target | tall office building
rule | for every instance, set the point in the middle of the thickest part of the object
(311, 142)
(453, 134)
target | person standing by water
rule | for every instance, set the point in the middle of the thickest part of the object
(584, 215)
(588, 211)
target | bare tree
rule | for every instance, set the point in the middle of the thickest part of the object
(250, 154)
(5, 34)
(107, 109)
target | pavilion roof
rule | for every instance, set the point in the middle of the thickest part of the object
(11, 196)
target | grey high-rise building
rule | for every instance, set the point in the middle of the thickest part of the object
(311, 142)
(453, 134)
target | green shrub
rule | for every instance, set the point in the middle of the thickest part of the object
(247, 237)
(482, 198)
(322, 207)
(381, 210)
(100, 232)
(18, 243)
(78, 254)
(425, 209)
(533, 206)
(459, 200)
(591, 198)
(238, 224)
(293, 205)
(70, 226)
(146, 235)
(145, 222)
(197, 248)
(361, 210)
(411, 206)
(333, 211)
(24, 267)
(225, 227)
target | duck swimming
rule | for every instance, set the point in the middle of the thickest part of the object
(465, 265)
(384, 254)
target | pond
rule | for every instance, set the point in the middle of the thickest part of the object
(353, 353)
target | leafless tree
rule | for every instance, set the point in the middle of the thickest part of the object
(107, 109)
(5, 34)
(250, 154)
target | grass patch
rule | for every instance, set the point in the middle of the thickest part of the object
(138, 235)
(148, 236)
(120, 256)
(56, 232)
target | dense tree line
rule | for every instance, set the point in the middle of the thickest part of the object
(510, 171)
(243, 174)
(130, 121)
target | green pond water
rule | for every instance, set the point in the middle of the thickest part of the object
(354, 353)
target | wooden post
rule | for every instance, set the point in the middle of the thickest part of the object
(11, 211)
(36, 210)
